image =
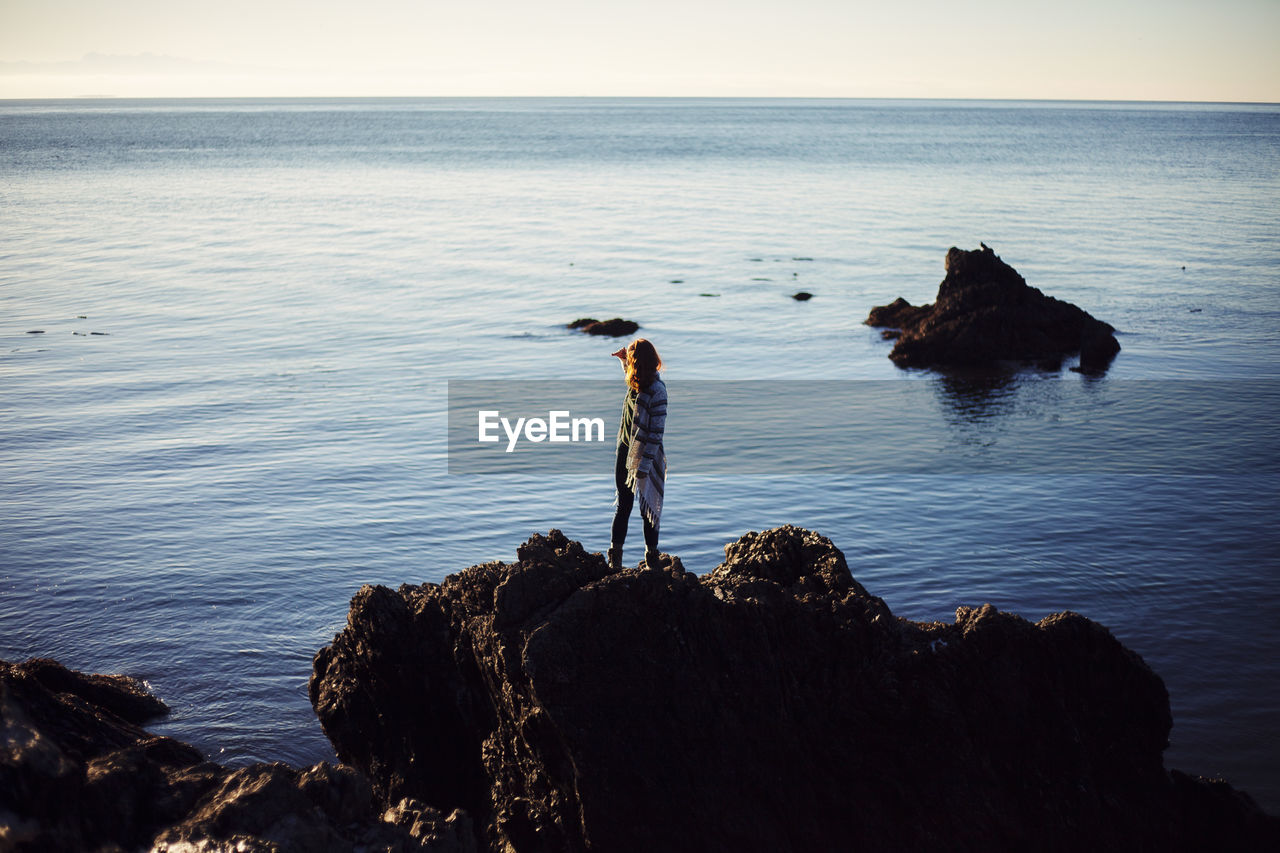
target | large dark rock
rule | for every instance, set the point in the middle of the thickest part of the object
(78, 773)
(772, 705)
(615, 328)
(986, 313)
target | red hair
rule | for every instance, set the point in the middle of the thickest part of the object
(643, 364)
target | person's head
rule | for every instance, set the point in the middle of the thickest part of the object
(643, 364)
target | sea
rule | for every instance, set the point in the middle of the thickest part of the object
(229, 329)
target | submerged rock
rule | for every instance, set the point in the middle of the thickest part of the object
(802, 296)
(615, 328)
(77, 772)
(773, 705)
(985, 313)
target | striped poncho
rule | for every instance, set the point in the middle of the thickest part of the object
(645, 455)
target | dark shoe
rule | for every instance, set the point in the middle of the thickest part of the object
(615, 559)
(652, 560)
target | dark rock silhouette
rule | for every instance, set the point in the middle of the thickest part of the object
(802, 296)
(77, 772)
(898, 314)
(986, 313)
(615, 328)
(772, 705)
(123, 696)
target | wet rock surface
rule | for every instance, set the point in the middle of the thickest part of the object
(77, 772)
(773, 704)
(985, 313)
(615, 328)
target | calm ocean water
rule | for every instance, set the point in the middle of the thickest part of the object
(234, 413)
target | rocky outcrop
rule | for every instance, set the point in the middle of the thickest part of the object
(615, 328)
(986, 313)
(773, 705)
(77, 772)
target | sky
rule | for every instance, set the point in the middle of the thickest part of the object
(1167, 50)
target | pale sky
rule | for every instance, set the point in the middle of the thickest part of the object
(1228, 50)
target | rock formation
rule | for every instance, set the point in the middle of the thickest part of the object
(77, 772)
(772, 705)
(615, 328)
(986, 313)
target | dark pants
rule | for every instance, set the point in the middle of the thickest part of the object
(625, 499)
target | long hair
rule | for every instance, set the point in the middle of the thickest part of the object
(643, 364)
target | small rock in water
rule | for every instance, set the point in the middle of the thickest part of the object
(1194, 310)
(802, 296)
(708, 294)
(802, 259)
(898, 314)
(617, 327)
(677, 281)
(35, 332)
(100, 333)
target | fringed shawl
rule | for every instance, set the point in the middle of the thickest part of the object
(645, 455)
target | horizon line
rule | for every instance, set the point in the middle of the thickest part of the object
(107, 97)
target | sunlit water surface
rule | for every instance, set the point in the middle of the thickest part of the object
(234, 413)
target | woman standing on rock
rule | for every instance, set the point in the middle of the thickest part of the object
(641, 467)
